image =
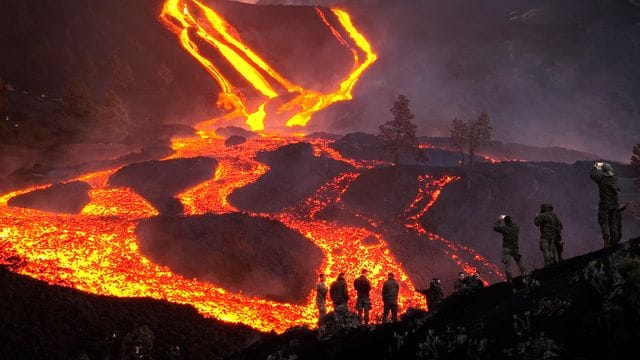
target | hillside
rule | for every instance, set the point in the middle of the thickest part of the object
(39, 321)
(582, 308)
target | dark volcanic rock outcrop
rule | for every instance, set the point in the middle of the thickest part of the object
(67, 198)
(294, 174)
(40, 321)
(229, 131)
(257, 256)
(385, 192)
(359, 145)
(235, 140)
(159, 181)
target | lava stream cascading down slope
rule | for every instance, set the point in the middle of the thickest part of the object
(212, 29)
(96, 251)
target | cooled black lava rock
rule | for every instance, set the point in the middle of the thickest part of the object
(235, 140)
(41, 321)
(257, 256)
(294, 174)
(67, 198)
(159, 181)
(360, 146)
(230, 131)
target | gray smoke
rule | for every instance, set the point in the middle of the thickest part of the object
(548, 73)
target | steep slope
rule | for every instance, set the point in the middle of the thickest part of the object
(51, 322)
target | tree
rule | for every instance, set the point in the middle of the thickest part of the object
(479, 135)
(471, 135)
(459, 135)
(399, 134)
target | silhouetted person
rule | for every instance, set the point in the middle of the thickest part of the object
(550, 234)
(460, 283)
(510, 244)
(474, 281)
(390, 291)
(363, 302)
(609, 217)
(434, 294)
(339, 292)
(321, 297)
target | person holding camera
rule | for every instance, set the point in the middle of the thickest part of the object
(609, 217)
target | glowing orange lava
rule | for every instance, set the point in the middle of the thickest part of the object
(191, 19)
(96, 251)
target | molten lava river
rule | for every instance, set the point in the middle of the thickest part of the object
(96, 251)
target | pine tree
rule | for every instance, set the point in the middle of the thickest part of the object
(459, 136)
(399, 134)
(479, 135)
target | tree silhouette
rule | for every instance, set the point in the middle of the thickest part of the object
(479, 135)
(470, 135)
(459, 136)
(399, 134)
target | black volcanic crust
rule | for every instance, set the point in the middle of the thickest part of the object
(582, 308)
(294, 174)
(385, 192)
(257, 256)
(229, 131)
(359, 145)
(52, 322)
(159, 181)
(234, 140)
(68, 198)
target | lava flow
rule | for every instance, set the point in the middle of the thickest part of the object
(194, 22)
(97, 251)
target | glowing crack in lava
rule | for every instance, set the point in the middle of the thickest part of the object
(191, 20)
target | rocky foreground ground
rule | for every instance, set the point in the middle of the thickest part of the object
(587, 307)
